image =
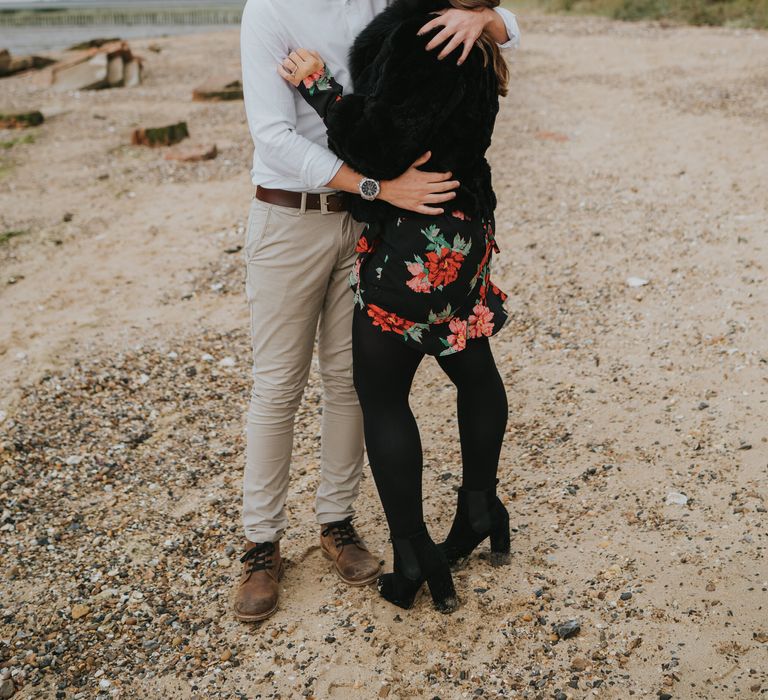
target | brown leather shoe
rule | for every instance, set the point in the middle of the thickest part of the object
(258, 590)
(353, 562)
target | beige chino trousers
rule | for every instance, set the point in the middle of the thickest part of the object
(297, 289)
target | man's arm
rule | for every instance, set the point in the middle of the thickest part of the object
(271, 111)
(414, 190)
(270, 105)
(465, 27)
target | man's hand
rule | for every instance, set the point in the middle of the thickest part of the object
(463, 27)
(414, 189)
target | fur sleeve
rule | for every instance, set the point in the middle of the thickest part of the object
(382, 134)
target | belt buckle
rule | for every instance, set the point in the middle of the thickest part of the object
(324, 203)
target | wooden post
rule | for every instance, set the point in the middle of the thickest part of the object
(21, 121)
(160, 136)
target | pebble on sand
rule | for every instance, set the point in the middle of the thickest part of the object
(567, 629)
(79, 611)
(636, 282)
(674, 498)
(7, 689)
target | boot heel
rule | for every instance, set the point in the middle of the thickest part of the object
(479, 515)
(500, 542)
(417, 559)
(443, 592)
(398, 591)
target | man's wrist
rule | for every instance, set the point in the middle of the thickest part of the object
(346, 179)
(369, 188)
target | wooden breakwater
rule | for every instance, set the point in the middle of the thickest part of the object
(122, 17)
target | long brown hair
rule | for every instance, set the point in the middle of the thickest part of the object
(486, 43)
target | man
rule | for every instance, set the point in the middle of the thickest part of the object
(300, 249)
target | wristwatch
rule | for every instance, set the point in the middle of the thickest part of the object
(369, 188)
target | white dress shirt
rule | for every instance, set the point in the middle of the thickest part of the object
(290, 138)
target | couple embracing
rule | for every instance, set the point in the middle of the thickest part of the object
(372, 230)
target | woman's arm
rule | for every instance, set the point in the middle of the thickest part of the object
(382, 134)
(413, 189)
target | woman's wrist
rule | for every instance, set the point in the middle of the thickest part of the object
(494, 25)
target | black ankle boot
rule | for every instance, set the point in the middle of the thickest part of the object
(418, 559)
(479, 515)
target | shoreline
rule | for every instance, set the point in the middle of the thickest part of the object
(54, 26)
(32, 40)
(50, 5)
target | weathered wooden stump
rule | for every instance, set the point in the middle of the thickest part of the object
(10, 65)
(192, 153)
(85, 75)
(111, 64)
(160, 136)
(92, 44)
(218, 90)
(22, 120)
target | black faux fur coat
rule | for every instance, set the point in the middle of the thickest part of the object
(407, 102)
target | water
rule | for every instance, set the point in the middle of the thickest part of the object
(25, 40)
(115, 4)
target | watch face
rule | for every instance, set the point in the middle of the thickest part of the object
(369, 188)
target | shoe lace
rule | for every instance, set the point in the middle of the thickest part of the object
(343, 532)
(259, 557)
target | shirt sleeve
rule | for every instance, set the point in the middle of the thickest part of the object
(513, 30)
(382, 134)
(270, 105)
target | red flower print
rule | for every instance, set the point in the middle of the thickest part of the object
(310, 80)
(363, 246)
(419, 282)
(443, 267)
(458, 339)
(388, 321)
(481, 322)
(460, 215)
(498, 292)
(486, 257)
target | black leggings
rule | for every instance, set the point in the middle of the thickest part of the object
(384, 367)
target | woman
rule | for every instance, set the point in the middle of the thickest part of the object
(422, 283)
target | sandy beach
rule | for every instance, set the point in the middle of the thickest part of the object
(629, 161)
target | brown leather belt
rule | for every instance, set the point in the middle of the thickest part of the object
(327, 202)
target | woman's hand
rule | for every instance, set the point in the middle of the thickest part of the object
(462, 27)
(300, 65)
